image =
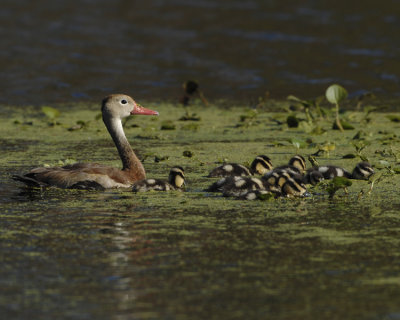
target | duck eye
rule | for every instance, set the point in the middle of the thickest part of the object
(124, 101)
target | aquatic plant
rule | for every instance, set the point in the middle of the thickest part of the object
(52, 114)
(336, 94)
(336, 184)
(309, 106)
(191, 88)
(167, 125)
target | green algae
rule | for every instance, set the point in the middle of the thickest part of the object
(194, 254)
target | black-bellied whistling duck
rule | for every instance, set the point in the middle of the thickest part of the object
(114, 108)
(176, 180)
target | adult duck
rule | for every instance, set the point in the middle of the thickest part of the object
(114, 108)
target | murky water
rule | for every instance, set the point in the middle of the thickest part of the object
(58, 51)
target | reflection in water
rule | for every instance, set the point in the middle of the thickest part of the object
(59, 51)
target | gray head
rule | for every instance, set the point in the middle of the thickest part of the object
(121, 106)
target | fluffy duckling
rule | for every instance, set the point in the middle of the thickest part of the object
(239, 187)
(260, 165)
(296, 164)
(235, 185)
(330, 172)
(218, 185)
(362, 171)
(176, 180)
(277, 178)
(294, 187)
(285, 186)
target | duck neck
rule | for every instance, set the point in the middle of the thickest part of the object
(130, 161)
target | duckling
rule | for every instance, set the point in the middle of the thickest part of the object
(176, 180)
(234, 185)
(313, 177)
(275, 179)
(294, 187)
(296, 165)
(330, 172)
(362, 171)
(239, 187)
(260, 165)
(218, 185)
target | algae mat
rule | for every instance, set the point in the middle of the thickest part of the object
(194, 255)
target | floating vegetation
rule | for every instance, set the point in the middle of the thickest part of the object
(52, 114)
(167, 125)
(189, 117)
(335, 94)
(336, 184)
(393, 118)
(158, 158)
(188, 153)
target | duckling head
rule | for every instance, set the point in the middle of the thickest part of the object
(362, 171)
(261, 165)
(177, 177)
(299, 162)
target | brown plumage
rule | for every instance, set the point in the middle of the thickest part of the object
(93, 175)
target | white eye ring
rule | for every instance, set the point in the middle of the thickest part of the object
(123, 101)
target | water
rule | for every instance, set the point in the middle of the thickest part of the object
(59, 51)
(115, 255)
(192, 255)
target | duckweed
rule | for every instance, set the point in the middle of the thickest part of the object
(194, 254)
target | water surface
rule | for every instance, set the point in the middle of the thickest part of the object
(193, 255)
(57, 51)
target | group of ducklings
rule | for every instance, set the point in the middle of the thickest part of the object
(238, 181)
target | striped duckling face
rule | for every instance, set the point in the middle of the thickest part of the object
(177, 177)
(299, 162)
(362, 171)
(261, 165)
